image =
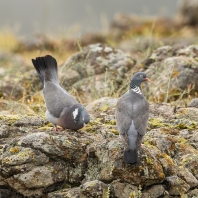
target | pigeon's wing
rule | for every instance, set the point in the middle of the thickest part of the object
(140, 115)
(132, 110)
(123, 119)
(57, 99)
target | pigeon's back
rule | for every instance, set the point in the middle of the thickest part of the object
(132, 106)
(56, 98)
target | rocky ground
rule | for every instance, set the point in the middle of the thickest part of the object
(38, 162)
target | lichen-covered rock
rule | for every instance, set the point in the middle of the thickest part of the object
(173, 73)
(187, 12)
(37, 162)
(193, 103)
(65, 193)
(193, 193)
(4, 192)
(154, 192)
(187, 176)
(94, 189)
(122, 190)
(8, 108)
(35, 42)
(177, 186)
(96, 70)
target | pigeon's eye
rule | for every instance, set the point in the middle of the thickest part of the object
(141, 76)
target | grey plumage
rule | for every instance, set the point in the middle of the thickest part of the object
(62, 108)
(132, 111)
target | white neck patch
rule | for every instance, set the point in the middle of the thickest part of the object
(75, 113)
(137, 90)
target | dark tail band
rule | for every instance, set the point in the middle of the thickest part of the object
(46, 68)
(130, 156)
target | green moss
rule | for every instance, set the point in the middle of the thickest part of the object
(182, 140)
(45, 128)
(149, 161)
(111, 122)
(148, 143)
(10, 118)
(114, 131)
(90, 129)
(183, 123)
(156, 122)
(104, 107)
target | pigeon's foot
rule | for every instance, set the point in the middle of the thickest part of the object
(58, 128)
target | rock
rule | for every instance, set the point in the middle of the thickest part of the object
(11, 90)
(187, 176)
(187, 12)
(177, 186)
(172, 73)
(190, 51)
(102, 104)
(12, 107)
(66, 193)
(97, 69)
(191, 113)
(35, 42)
(4, 132)
(34, 121)
(2, 71)
(160, 110)
(9, 193)
(70, 76)
(94, 189)
(193, 103)
(193, 193)
(154, 192)
(38, 162)
(122, 190)
(122, 23)
(195, 137)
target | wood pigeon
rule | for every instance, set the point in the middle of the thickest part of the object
(132, 112)
(62, 108)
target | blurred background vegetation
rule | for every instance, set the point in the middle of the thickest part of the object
(61, 28)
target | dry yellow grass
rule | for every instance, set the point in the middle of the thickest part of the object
(8, 41)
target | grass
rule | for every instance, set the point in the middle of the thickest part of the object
(8, 40)
(149, 29)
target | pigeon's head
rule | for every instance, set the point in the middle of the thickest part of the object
(80, 116)
(76, 118)
(140, 77)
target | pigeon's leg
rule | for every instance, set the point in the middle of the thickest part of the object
(55, 127)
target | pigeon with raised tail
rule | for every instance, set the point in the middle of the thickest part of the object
(132, 112)
(62, 108)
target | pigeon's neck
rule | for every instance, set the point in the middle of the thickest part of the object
(135, 86)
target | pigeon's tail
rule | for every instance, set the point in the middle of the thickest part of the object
(46, 68)
(130, 156)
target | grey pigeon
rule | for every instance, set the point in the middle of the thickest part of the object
(62, 109)
(132, 111)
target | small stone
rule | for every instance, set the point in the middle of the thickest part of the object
(122, 190)
(193, 103)
(187, 176)
(177, 186)
(95, 189)
(154, 192)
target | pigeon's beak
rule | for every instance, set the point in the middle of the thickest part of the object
(147, 79)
